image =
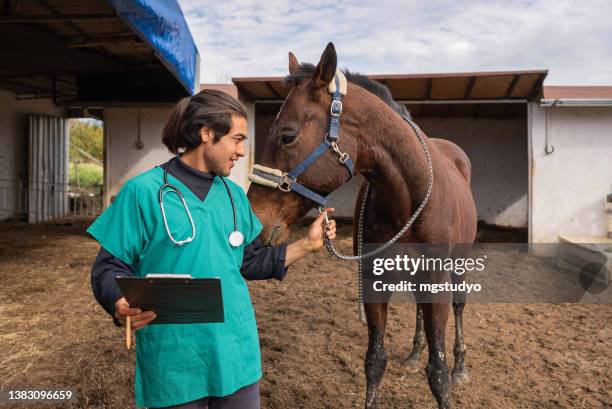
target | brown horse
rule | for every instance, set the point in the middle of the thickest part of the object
(390, 157)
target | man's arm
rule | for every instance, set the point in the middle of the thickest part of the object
(103, 273)
(261, 262)
(313, 240)
(105, 288)
(265, 262)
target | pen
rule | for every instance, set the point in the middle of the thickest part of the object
(128, 332)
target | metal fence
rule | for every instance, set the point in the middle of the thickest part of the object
(13, 198)
(86, 202)
(45, 200)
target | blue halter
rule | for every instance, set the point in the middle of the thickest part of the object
(288, 181)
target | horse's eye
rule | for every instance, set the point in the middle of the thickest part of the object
(288, 139)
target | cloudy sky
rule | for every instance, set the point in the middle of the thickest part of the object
(240, 38)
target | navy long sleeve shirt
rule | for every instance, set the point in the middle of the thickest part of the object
(259, 262)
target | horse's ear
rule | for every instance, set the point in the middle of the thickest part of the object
(294, 65)
(326, 68)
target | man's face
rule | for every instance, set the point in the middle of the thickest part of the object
(221, 156)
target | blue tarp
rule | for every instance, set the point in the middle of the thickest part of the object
(161, 24)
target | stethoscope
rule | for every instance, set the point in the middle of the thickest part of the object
(235, 238)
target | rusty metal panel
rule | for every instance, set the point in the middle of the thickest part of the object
(47, 168)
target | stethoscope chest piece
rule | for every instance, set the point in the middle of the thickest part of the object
(236, 238)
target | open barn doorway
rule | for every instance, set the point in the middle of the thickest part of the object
(86, 167)
(65, 170)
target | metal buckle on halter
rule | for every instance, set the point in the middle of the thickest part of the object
(336, 108)
(344, 157)
(331, 139)
(285, 184)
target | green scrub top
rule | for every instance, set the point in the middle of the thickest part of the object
(178, 363)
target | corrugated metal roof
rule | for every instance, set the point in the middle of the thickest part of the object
(46, 43)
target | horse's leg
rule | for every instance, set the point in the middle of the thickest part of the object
(418, 344)
(460, 373)
(435, 317)
(376, 357)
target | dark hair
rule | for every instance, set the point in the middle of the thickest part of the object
(209, 108)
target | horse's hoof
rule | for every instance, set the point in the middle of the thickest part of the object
(412, 365)
(460, 378)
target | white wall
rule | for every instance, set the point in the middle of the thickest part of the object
(124, 160)
(240, 172)
(497, 149)
(569, 186)
(14, 145)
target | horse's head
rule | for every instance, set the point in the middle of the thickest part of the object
(298, 130)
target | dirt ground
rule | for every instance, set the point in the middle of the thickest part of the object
(53, 335)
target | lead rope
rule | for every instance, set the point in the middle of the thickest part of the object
(364, 202)
(360, 256)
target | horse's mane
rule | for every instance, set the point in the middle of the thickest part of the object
(305, 71)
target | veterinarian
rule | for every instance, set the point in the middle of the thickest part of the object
(213, 233)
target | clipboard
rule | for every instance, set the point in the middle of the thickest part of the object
(175, 300)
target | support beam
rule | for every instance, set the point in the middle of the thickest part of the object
(71, 73)
(470, 86)
(537, 87)
(55, 12)
(36, 89)
(103, 40)
(27, 86)
(512, 85)
(273, 91)
(428, 89)
(245, 93)
(23, 97)
(54, 18)
(63, 81)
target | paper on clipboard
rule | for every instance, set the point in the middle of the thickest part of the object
(175, 299)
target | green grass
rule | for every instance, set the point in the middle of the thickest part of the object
(90, 174)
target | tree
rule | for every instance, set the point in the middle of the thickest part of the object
(86, 136)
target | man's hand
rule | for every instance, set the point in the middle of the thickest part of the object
(138, 319)
(314, 238)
